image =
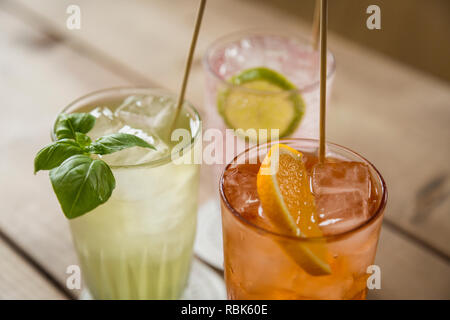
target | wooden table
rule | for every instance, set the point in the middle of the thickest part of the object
(393, 115)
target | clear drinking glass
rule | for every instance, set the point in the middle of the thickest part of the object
(257, 264)
(290, 56)
(138, 245)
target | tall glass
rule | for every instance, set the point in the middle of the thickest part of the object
(138, 245)
(257, 265)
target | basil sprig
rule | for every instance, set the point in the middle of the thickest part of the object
(81, 183)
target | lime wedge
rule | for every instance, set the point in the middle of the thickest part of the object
(262, 99)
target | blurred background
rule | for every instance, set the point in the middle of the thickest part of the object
(390, 102)
(414, 32)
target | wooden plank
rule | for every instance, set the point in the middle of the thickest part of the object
(403, 130)
(400, 115)
(357, 70)
(38, 76)
(411, 30)
(408, 272)
(19, 280)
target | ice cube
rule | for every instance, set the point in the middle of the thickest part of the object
(105, 123)
(145, 116)
(145, 111)
(342, 191)
(240, 190)
(138, 155)
(140, 133)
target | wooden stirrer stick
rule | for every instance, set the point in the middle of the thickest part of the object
(316, 25)
(323, 75)
(187, 69)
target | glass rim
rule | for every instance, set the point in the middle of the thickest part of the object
(330, 238)
(238, 35)
(130, 89)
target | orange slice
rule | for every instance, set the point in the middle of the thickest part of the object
(287, 201)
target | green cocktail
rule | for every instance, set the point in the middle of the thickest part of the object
(138, 244)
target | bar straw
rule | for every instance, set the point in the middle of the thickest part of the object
(187, 69)
(323, 75)
(316, 26)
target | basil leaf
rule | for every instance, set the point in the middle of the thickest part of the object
(82, 184)
(82, 139)
(54, 154)
(67, 124)
(116, 142)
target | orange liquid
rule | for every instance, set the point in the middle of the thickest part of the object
(256, 266)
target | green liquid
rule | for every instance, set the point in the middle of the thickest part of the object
(138, 245)
(132, 269)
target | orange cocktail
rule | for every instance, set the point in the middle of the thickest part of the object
(320, 241)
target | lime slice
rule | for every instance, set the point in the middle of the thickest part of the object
(262, 99)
